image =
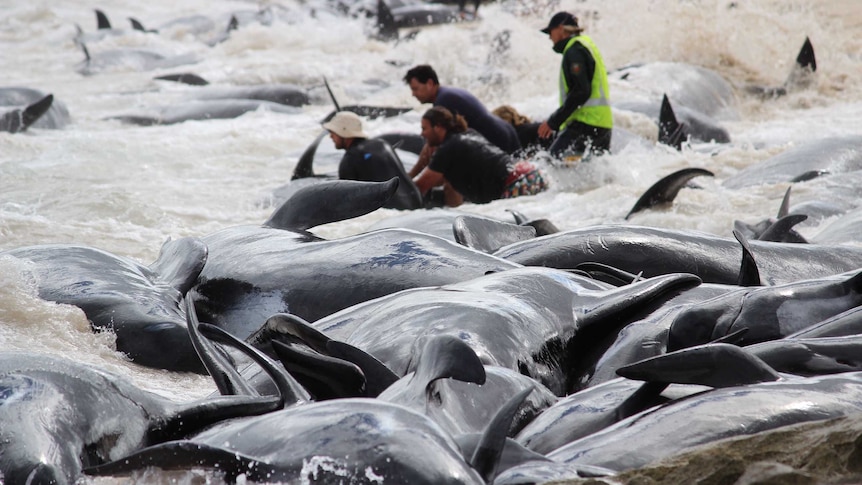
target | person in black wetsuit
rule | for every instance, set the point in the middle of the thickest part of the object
(528, 130)
(370, 160)
(475, 170)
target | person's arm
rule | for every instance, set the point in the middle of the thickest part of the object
(428, 180)
(579, 74)
(422, 161)
(451, 197)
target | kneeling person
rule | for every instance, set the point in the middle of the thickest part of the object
(478, 171)
(370, 159)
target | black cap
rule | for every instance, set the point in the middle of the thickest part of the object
(561, 18)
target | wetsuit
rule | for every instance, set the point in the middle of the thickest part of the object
(494, 128)
(374, 160)
(481, 172)
(528, 134)
(577, 71)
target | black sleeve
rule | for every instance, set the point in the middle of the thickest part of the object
(579, 74)
(441, 158)
(348, 168)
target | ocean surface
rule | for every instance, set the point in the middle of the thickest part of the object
(126, 188)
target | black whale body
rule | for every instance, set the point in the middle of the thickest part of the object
(655, 251)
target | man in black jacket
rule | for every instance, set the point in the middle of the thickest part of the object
(370, 159)
(584, 119)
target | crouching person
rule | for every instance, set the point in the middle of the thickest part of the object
(469, 167)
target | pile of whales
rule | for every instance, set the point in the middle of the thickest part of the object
(398, 355)
(441, 346)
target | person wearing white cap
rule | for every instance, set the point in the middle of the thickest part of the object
(370, 159)
(583, 120)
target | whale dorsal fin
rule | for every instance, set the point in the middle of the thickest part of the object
(102, 21)
(180, 262)
(18, 120)
(488, 235)
(782, 230)
(670, 130)
(802, 73)
(665, 190)
(784, 208)
(184, 78)
(749, 275)
(331, 201)
(447, 356)
(386, 26)
(305, 165)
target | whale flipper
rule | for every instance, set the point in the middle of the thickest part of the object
(324, 376)
(608, 274)
(665, 190)
(227, 379)
(290, 391)
(182, 455)
(377, 376)
(448, 357)
(489, 450)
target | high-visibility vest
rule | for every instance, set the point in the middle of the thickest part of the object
(597, 110)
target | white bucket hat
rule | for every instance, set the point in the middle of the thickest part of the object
(346, 124)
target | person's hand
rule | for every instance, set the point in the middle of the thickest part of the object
(545, 130)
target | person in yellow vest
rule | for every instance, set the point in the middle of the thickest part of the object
(583, 121)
